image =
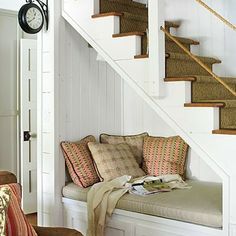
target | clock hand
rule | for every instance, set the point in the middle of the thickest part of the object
(31, 20)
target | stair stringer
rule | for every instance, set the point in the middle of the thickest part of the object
(167, 108)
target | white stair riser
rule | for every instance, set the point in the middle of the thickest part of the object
(176, 94)
(110, 23)
(117, 47)
(195, 119)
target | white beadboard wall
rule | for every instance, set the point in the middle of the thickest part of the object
(91, 92)
(94, 99)
(216, 39)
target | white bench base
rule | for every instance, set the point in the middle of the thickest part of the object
(125, 223)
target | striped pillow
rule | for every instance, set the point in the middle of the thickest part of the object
(134, 141)
(114, 160)
(16, 223)
(4, 202)
(163, 156)
(80, 162)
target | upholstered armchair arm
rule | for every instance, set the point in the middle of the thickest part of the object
(7, 177)
(46, 231)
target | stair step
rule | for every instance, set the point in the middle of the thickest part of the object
(181, 64)
(124, 6)
(128, 34)
(184, 40)
(225, 131)
(228, 103)
(205, 104)
(129, 2)
(185, 57)
(171, 46)
(141, 56)
(171, 24)
(177, 79)
(210, 79)
(207, 88)
(107, 14)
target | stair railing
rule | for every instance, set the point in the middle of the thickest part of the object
(156, 45)
(196, 59)
(217, 15)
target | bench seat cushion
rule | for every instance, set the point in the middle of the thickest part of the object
(202, 204)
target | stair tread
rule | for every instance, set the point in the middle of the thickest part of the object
(210, 79)
(107, 14)
(184, 40)
(183, 56)
(201, 79)
(172, 24)
(141, 56)
(132, 3)
(183, 78)
(225, 131)
(227, 103)
(136, 33)
(205, 104)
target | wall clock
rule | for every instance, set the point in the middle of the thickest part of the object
(31, 16)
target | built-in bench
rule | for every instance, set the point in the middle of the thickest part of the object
(198, 208)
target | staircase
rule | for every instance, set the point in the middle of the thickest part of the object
(195, 105)
(206, 92)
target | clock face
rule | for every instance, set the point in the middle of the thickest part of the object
(34, 18)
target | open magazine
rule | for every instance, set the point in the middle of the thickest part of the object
(151, 185)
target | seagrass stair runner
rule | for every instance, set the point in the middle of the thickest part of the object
(206, 92)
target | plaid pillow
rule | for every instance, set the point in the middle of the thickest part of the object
(16, 222)
(4, 202)
(134, 141)
(163, 156)
(79, 162)
(114, 160)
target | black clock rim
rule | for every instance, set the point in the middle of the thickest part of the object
(22, 18)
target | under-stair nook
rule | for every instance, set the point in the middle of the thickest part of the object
(158, 75)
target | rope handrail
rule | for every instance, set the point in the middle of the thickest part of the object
(196, 59)
(217, 15)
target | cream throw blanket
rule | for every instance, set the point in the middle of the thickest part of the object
(103, 197)
(101, 200)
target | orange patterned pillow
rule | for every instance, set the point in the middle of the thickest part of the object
(80, 162)
(163, 156)
(16, 223)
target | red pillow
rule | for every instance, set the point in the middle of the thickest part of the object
(162, 156)
(79, 162)
(16, 222)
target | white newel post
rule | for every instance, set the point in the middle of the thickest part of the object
(156, 47)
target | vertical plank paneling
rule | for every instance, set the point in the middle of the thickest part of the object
(92, 92)
(216, 39)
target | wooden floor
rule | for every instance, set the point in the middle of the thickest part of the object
(32, 218)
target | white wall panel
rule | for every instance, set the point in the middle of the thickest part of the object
(91, 91)
(216, 39)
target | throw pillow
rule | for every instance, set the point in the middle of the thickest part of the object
(114, 160)
(163, 156)
(16, 223)
(4, 201)
(134, 141)
(79, 162)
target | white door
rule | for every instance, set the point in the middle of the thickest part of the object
(28, 91)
